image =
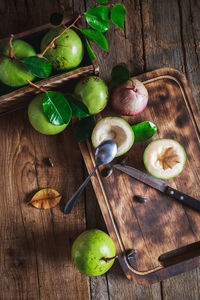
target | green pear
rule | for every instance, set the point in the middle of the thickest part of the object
(93, 252)
(67, 51)
(38, 119)
(12, 71)
(93, 92)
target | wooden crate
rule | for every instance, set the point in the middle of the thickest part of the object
(15, 98)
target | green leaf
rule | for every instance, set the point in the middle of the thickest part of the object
(39, 66)
(118, 13)
(56, 108)
(83, 128)
(97, 37)
(79, 109)
(144, 131)
(97, 18)
(91, 54)
(102, 1)
(120, 74)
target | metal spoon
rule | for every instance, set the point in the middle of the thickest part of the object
(104, 154)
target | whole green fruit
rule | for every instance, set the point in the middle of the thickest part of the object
(12, 71)
(68, 49)
(93, 92)
(38, 119)
(89, 249)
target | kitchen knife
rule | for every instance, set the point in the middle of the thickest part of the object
(159, 185)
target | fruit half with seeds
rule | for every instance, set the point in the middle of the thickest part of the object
(115, 129)
(164, 158)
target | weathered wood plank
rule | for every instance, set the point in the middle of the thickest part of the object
(21, 15)
(171, 33)
(121, 288)
(36, 245)
(98, 285)
(58, 231)
(182, 287)
(19, 274)
(189, 12)
(125, 47)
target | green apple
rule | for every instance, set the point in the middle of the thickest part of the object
(115, 129)
(38, 119)
(67, 51)
(164, 158)
(93, 92)
(90, 251)
(12, 71)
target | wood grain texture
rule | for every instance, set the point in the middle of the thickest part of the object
(145, 21)
(36, 245)
(160, 225)
(167, 33)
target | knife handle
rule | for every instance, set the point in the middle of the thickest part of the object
(185, 199)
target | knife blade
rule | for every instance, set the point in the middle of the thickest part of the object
(159, 185)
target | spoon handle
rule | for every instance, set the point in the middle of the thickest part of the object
(72, 201)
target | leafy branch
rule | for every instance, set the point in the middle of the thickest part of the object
(98, 18)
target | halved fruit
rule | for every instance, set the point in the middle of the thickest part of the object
(115, 129)
(164, 158)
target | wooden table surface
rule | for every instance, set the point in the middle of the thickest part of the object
(35, 256)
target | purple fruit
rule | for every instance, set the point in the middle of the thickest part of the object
(129, 98)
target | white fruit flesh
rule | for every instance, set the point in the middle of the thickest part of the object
(115, 129)
(164, 158)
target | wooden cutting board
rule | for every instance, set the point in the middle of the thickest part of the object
(165, 234)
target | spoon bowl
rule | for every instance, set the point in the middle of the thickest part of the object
(104, 154)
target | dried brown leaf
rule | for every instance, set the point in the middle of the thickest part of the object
(45, 199)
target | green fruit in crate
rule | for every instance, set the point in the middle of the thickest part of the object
(67, 51)
(115, 129)
(38, 119)
(164, 158)
(93, 92)
(12, 71)
(91, 252)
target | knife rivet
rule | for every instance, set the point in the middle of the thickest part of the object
(171, 192)
(181, 197)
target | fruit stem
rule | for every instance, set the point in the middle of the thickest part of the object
(51, 44)
(131, 88)
(109, 5)
(36, 86)
(107, 259)
(11, 53)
